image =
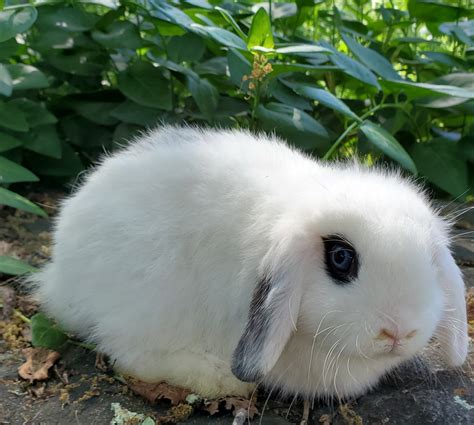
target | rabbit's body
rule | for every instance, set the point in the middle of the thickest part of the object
(160, 254)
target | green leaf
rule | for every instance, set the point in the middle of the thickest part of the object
(220, 35)
(279, 10)
(8, 49)
(324, 97)
(166, 12)
(213, 66)
(440, 102)
(111, 4)
(354, 69)
(435, 11)
(84, 133)
(202, 4)
(68, 166)
(230, 20)
(13, 118)
(145, 85)
(189, 47)
(458, 79)
(35, 113)
(464, 80)
(415, 90)
(46, 40)
(6, 84)
(446, 59)
(287, 96)
(413, 40)
(44, 140)
(119, 35)
(301, 48)
(444, 165)
(384, 141)
(283, 68)
(260, 33)
(8, 142)
(9, 265)
(125, 132)
(204, 94)
(370, 58)
(15, 21)
(459, 30)
(11, 172)
(84, 63)
(97, 112)
(238, 67)
(73, 19)
(14, 200)
(26, 77)
(45, 333)
(293, 122)
(132, 113)
(230, 107)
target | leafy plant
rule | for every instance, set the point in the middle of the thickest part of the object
(335, 78)
(45, 333)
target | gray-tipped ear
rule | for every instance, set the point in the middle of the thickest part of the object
(271, 321)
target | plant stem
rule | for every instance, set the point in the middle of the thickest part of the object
(270, 12)
(82, 344)
(356, 124)
(19, 314)
(256, 101)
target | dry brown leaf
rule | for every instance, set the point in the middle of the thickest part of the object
(236, 403)
(154, 392)
(5, 248)
(211, 406)
(231, 403)
(38, 362)
(102, 362)
(38, 390)
(461, 391)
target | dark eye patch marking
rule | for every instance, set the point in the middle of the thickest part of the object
(341, 259)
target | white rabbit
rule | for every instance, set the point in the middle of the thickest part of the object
(216, 260)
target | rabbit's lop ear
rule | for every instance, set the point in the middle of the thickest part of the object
(271, 321)
(452, 329)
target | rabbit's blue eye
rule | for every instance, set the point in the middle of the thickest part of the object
(340, 258)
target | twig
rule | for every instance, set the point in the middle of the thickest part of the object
(305, 418)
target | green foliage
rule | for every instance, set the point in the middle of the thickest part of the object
(45, 333)
(336, 79)
(13, 266)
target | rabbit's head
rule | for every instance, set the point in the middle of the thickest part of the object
(358, 269)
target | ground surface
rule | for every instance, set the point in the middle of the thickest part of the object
(77, 392)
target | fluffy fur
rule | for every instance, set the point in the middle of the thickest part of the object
(192, 243)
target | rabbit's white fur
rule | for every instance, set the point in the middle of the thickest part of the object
(158, 256)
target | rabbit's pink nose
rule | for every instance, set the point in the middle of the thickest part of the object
(395, 337)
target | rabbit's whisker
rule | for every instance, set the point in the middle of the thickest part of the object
(337, 371)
